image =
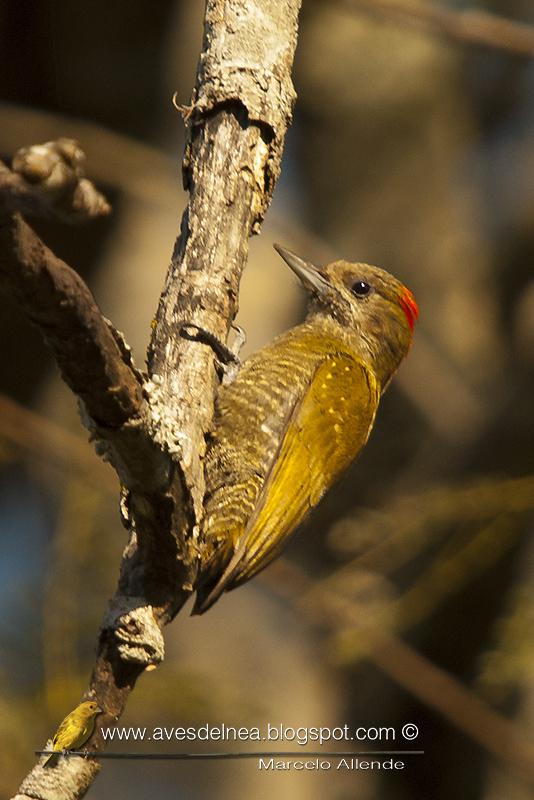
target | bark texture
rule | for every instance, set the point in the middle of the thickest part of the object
(152, 427)
(83, 344)
(241, 108)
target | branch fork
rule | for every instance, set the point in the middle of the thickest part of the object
(151, 427)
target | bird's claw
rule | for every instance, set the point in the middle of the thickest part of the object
(227, 357)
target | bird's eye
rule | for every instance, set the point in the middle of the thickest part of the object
(361, 288)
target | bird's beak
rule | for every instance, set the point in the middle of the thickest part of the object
(309, 275)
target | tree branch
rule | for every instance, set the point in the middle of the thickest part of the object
(472, 27)
(56, 299)
(240, 112)
(94, 360)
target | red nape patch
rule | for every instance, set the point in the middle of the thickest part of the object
(409, 306)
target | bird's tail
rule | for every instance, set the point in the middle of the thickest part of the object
(52, 760)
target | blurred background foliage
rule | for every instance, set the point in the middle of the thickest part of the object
(408, 596)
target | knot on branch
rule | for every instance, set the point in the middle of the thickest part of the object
(55, 166)
(137, 634)
(48, 180)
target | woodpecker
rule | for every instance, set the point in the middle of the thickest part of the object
(297, 414)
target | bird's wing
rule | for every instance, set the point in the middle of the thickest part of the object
(73, 732)
(63, 735)
(326, 430)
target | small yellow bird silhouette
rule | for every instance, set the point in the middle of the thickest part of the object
(75, 730)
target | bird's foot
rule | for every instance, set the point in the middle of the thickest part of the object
(228, 359)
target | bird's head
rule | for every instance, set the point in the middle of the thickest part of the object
(89, 708)
(367, 302)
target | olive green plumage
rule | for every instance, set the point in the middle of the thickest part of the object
(74, 731)
(295, 417)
